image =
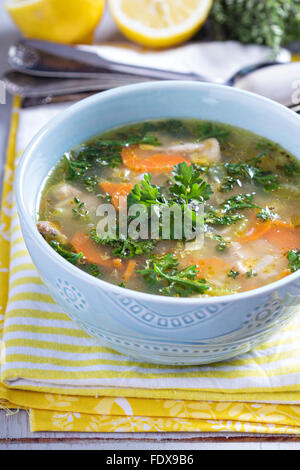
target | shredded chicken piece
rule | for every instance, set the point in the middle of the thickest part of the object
(63, 193)
(48, 229)
(205, 152)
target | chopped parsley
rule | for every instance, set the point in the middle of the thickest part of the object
(249, 171)
(92, 269)
(251, 273)
(146, 193)
(222, 243)
(125, 248)
(241, 201)
(291, 169)
(79, 211)
(188, 186)
(227, 213)
(163, 277)
(208, 130)
(233, 274)
(294, 260)
(66, 253)
(265, 214)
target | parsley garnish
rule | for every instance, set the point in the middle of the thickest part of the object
(222, 243)
(91, 183)
(79, 211)
(125, 248)
(251, 273)
(291, 169)
(219, 217)
(188, 186)
(164, 277)
(65, 252)
(294, 260)
(207, 130)
(233, 274)
(75, 168)
(226, 215)
(146, 193)
(265, 214)
(251, 171)
(92, 269)
(241, 201)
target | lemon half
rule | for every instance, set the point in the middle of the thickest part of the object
(65, 21)
(159, 23)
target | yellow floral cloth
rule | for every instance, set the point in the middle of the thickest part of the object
(70, 383)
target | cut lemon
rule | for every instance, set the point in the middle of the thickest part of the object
(66, 21)
(159, 23)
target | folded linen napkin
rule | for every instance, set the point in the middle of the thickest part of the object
(49, 365)
(218, 61)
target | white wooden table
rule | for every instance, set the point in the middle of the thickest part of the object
(14, 429)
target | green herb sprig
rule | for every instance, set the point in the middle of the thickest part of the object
(164, 277)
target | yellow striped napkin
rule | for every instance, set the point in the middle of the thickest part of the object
(71, 383)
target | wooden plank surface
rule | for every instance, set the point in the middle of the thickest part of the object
(15, 434)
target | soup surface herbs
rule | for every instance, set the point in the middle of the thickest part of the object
(242, 190)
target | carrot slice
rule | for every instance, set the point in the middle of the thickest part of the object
(92, 253)
(116, 190)
(285, 238)
(117, 262)
(129, 270)
(256, 231)
(162, 163)
(157, 163)
(282, 223)
(210, 267)
(283, 274)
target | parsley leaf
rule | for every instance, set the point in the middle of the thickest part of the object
(188, 185)
(126, 248)
(207, 130)
(146, 193)
(226, 215)
(265, 214)
(233, 274)
(218, 217)
(92, 269)
(241, 201)
(65, 252)
(75, 168)
(294, 260)
(291, 169)
(251, 273)
(222, 242)
(164, 277)
(251, 171)
(79, 211)
(91, 183)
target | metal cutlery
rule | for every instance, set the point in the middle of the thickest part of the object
(47, 59)
(45, 72)
(32, 86)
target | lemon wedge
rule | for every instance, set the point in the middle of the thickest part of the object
(159, 23)
(65, 21)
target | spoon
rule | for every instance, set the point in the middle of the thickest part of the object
(48, 59)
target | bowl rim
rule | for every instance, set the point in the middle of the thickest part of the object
(80, 274)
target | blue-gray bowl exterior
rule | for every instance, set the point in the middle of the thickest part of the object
(144, 326)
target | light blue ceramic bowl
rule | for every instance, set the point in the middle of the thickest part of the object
(149, 327)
